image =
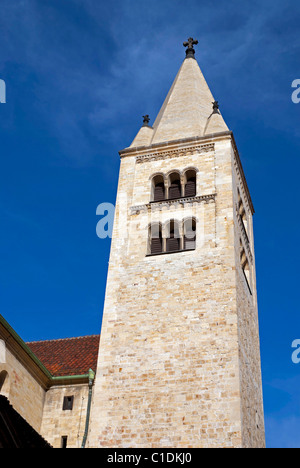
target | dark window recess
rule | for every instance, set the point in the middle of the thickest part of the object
(64, 442)
(173, 244)
(156, 245)
(175, 190)
(190, 187)
(189, 242)
(159, 191)
(68, 403)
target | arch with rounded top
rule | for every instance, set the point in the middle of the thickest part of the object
(157, 174)
(174, 183)
(190, 168)
(155, 226)
(158, 187)
(155, 238)
(189, 220)
(4, 383)
(173, 171)
(190, 182)
(174, 223)
(189, 233)
(173, 235)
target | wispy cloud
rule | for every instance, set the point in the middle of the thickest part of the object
(100, 66)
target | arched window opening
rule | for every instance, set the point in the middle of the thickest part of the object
(245, 266)
(174, 186)
(4, 383)
(158, 188)
(242, 213)
(189, 239)
(173, 237)
(155, 239)
(190, 184)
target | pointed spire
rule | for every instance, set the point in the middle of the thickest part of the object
(215, 122)
(144, 136)
(189, 109)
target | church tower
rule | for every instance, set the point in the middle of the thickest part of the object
(179, 358)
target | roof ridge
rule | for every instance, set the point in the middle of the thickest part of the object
(64, 339)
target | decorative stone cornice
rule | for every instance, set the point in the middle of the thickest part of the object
(175, 153)
(134, 210)
(241, 176)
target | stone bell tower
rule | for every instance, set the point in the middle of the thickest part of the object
(179, 359)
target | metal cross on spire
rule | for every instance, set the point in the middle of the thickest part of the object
(215, 107)
(146, 120)
(190, 51)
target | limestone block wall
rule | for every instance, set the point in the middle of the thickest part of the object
(253, 434)
(25, 394)
(58, 423)
(169, 370)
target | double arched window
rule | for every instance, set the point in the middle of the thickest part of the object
(173, 236)
(174, 185)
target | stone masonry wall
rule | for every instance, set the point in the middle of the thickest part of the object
(169, 370)
(23, 391)
(248, 326)
(71, 423)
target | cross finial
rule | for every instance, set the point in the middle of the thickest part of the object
(146, 120)
(215, 107)
(190, 51)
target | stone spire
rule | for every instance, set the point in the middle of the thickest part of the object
(189, 109)
(145, 134)
(215, 122)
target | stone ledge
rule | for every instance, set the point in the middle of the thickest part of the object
(175, 153)
(168, 253)
(183, 200)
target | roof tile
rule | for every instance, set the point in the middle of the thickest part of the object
(68, 356)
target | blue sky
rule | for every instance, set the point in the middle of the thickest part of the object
(80, 74)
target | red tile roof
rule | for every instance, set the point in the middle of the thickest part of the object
(68, 356)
